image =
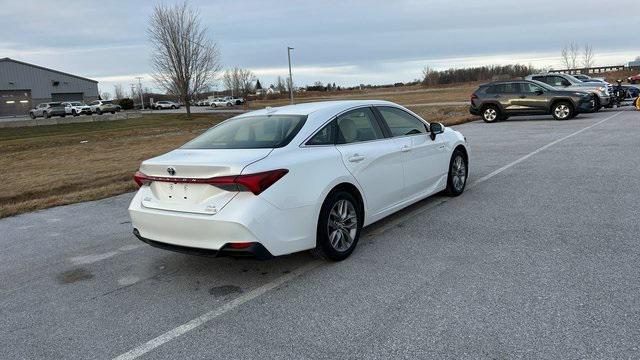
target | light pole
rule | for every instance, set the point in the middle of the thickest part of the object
(140, 89)
(290, 77)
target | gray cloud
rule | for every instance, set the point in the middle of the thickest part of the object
(348, 42)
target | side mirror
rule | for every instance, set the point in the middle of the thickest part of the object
(435, 129)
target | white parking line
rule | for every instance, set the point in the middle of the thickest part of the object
(489, 176)
(201, 320)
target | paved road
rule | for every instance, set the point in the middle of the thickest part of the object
(537, 259)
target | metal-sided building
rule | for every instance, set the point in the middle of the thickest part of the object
(23, 85)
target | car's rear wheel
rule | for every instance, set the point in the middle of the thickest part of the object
(45, 115)
(32, 115)
(229, 104)
(457, 179)
(339, 226)
(597, 105)
(173, 107)
(98, 111)
(562, 111)
(490, 113)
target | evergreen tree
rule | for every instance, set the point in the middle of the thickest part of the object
(258, 85)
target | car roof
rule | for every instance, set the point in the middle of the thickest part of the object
(312, 107)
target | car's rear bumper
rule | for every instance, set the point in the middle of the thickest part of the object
(245, 219)
(474, 110)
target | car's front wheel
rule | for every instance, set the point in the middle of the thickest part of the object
(32, 115)
(458, 170)
(98, 111)
(490, 114)
(562, 111)
(74, 113)
(339, 226)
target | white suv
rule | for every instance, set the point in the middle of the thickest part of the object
(76, 108)
(159, 105)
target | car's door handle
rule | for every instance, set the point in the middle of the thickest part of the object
(356, 158)
(405, 148)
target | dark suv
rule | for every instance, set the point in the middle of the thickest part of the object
(499, 100)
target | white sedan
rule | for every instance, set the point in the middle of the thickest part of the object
(281, 180)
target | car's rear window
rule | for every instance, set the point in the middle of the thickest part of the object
(252, 132)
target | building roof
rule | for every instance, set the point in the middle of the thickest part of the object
(47, 69)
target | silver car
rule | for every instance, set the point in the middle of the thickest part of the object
(567, 82)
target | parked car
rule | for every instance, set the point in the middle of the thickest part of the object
(233, 100)
(634, 79)
(307, 176)
(221, 102)
(47, 110)
(204, 102)
(76, 108)
(102, 106)
(159, 105)
(587, 78)
(498, 100)
(568, 82)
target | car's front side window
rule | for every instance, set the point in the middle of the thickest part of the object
(358, 125)
(400, 122)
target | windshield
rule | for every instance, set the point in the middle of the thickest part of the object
(253, 132)
(107, 102)
(573, 79)
(76, 104)
(543, 85)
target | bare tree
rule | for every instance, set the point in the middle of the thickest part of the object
(238, 80)
(118, 91)
(185, 61)
(587, 56)
(570, 55)
(280, 84)
(105, 95)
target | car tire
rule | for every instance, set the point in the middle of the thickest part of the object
(32, 115)
(562, 110)
(458, 173)
(491, 114)
(63, 115)
(229, 104)
(339, 226)
(597, 105)
(113, 112)
(74, 113)
(173, 107)
(99, 112)
(45, 115)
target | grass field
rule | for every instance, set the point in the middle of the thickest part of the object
(54, 165)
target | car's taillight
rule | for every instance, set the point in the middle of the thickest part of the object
(473, 96)
(256, 183)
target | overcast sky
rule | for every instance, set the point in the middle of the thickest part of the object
(347, 42)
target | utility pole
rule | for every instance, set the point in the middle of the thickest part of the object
(290, 77)
(140, 89)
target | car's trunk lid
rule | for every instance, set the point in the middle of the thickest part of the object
(185, 164)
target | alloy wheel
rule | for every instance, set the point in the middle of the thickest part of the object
(562, 111)
(343, 225)
(490, 114)
(458, 173)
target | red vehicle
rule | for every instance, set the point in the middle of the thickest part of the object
(634, 79)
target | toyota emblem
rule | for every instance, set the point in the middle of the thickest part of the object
(171, 170)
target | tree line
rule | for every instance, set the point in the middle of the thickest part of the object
(431, 76)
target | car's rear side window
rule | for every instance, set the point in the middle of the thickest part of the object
(252, 132)
(358, 125)
(400, 122)
(326, 135)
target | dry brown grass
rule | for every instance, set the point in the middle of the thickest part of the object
(405, 95)
(55, 165)
(49, 166)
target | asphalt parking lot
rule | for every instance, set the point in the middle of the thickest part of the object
(537, 259)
